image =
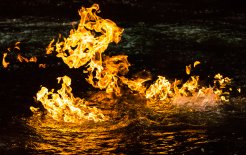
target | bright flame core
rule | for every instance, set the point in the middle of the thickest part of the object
(63, 106)
(89, 41)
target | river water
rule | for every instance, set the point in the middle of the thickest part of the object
(162, 48)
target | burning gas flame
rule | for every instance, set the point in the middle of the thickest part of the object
(196, 63)
(23, 59)
(42, 65)
(4, 62)
(63, 106)
(19, 57)
(85, 46)
(166, 91)
(89, 41)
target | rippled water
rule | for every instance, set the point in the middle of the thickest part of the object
(134, 127)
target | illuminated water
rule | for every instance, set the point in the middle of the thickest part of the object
(139, 130)
(134, 128)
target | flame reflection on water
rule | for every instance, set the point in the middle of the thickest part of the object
(132, 128)
(135, 139)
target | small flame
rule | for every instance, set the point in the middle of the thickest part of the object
(17, 45)
(50, 48)
(23, 59)
(196, 63)
(19, 57)
(42, 65)
(4, 62)
(187, 69)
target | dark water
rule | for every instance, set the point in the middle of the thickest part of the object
(162, 48)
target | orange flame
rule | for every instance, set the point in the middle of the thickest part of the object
(163, 90)
(4, 62)
(196, 63)
(89, 41)
(42, 65)
(63, 106)
(19, 57)
(85, 46)
(187, 69)
(23, 59)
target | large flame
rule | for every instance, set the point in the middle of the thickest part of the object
(85, 46)
(89, 41)
(63, 106)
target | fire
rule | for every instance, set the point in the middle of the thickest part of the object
(196, 63)
(89, 41)
(63, 106)
(42, 65)
(19, 57)
(85, 46)
(136, 84)
(221, 83)
(106, 75)
(23, 59)
(17, 45)
(187, 69)
(164, 90)
(4, 62)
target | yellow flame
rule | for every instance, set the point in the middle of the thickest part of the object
(187, 69)
(63, 106)
(23, 59)
(106, 74)
(90, 40)
(42, 65)
(33, 59)
(84, 47)
(50, 48)
(17, 45)
(19, 57)
(4, 62)
(164, 90)
(196, 63)
(136, 84)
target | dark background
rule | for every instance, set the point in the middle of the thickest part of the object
(135, 9)
(161, 36)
